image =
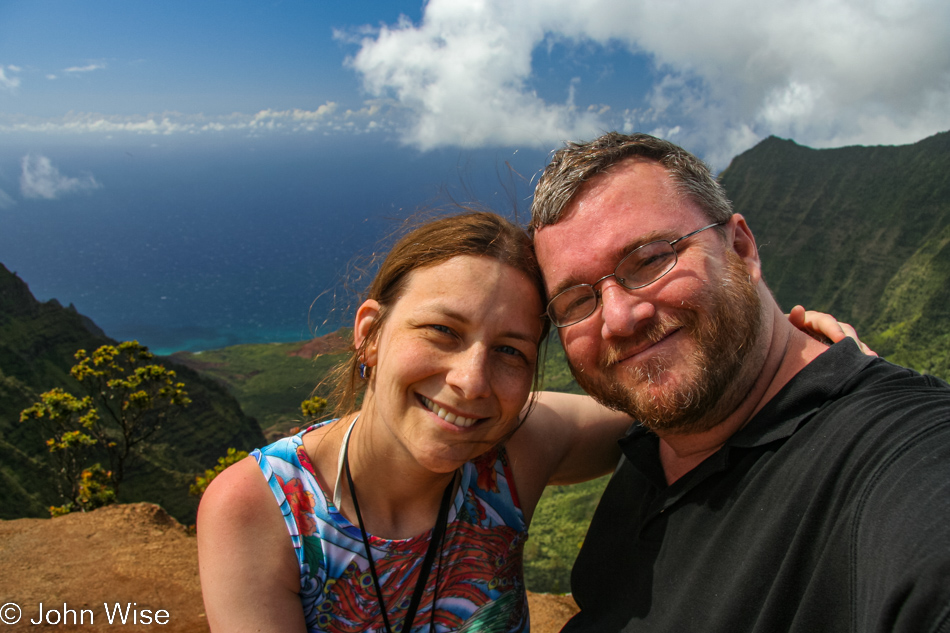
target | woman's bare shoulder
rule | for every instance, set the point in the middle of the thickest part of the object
(249, 572)
(236, 493)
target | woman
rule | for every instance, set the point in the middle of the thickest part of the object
(411, 512)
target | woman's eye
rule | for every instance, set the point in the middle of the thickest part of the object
(509, 350)
(444, 329)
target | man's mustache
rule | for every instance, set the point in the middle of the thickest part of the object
(649, 334)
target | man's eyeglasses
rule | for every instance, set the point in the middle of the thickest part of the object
(640, 267)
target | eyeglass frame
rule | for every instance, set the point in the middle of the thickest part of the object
(593, 286)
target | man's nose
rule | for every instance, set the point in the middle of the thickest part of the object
(622, 310)
(470, 373)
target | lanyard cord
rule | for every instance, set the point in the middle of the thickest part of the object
(438, 534)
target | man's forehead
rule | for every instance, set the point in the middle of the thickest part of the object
(610, 215)
(563, 266)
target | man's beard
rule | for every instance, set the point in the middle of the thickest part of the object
(723, 324)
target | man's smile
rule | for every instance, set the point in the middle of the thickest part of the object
(637, 352)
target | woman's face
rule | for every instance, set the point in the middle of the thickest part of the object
(454, 361)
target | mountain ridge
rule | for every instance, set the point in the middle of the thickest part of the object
(841, 230)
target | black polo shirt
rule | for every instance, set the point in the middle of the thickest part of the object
(829, 511)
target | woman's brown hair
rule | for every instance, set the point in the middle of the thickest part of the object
(479, 233)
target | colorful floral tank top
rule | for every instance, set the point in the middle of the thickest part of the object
(477, 580)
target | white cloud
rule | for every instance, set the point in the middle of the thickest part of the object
(462, 75)
(9, 83)
(41, 179)
(299, 120)
(84, 69)
(730, 72)
(324, 117)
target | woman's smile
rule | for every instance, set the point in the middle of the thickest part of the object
(448, 416)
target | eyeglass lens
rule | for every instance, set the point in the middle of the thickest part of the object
(639, 268)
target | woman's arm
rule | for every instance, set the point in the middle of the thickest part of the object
(585, 446)
(249, 572)
(565, 439)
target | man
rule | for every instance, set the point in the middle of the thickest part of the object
(772, 483)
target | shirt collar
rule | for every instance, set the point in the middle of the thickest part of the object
(802, 397)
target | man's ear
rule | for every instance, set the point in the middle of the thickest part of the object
(743, 243)
(366, 316)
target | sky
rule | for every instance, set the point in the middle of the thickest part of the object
(283, 110)
(717, 77)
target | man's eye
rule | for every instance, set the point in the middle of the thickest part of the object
(648, 261)
(580, 301)
(659, 259)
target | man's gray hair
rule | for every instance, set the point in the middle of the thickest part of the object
(576, 163)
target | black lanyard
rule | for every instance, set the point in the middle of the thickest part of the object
(438, 533)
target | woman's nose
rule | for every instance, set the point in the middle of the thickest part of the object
(470, 373)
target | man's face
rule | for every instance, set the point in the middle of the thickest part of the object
(669, 354)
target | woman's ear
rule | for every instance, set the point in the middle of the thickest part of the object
(366, 316)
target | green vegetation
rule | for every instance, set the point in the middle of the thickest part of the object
(269, 380)
(911, 328)
(93, 489)
(560, 521)
(71, 446)
(860, 232)
(313, 407)
(556, 375)
(128, 398)
(557, 531)
(233, 456)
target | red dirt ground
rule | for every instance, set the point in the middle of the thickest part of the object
(123, 554)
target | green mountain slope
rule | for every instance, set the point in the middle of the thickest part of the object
(37, 343)
(860, 232)
(269, 380)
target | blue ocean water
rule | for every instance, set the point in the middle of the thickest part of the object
(191, 245)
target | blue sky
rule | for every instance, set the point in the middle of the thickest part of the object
(128, 58)
(718, 77)
(215, 132)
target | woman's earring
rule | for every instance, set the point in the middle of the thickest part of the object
(364, 370)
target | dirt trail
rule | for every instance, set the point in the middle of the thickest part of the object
(133, 555)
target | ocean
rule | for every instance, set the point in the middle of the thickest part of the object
(193, 244)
